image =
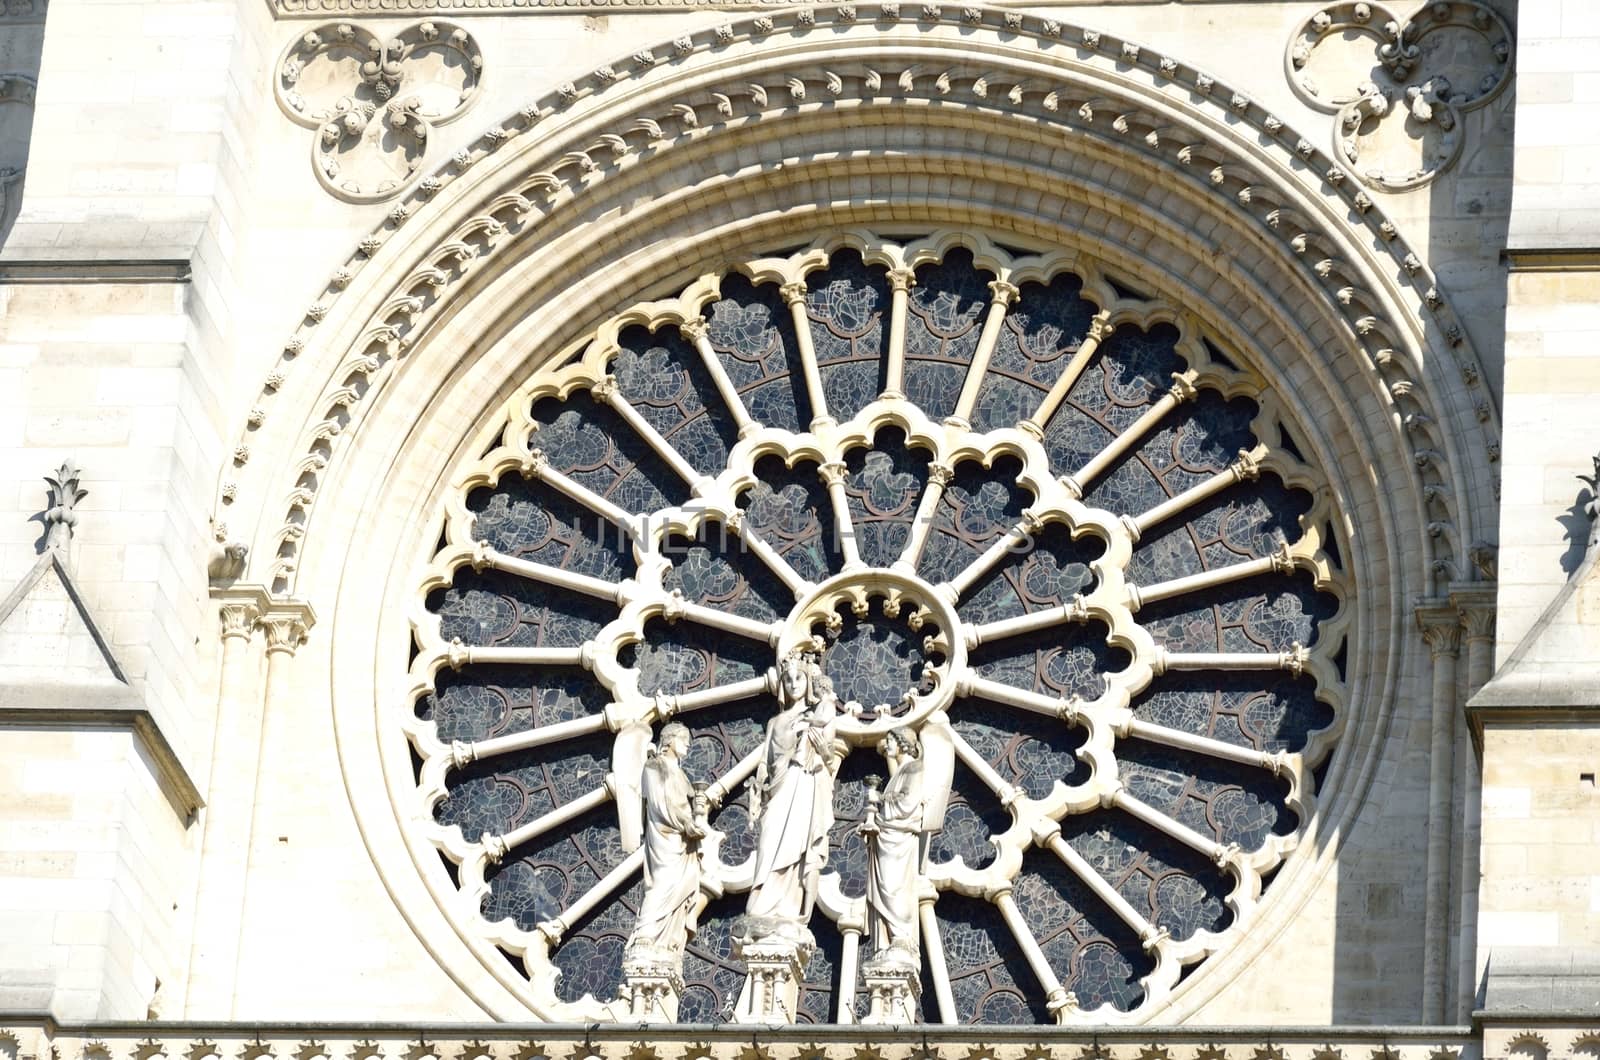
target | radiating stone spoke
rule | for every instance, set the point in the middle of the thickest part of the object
(1136, 806)
(795, 295)
(1002, 296)
(938, 965)
(729, 782)
(1056, 995)
(485, 557)
(939, 476)
(462, 753)
(1293, 660)
(1281, 561)
(969, 756)
(698, 333)
(1186, 741)
(1070, 613)
(459, 655)
(1012, 696)
(1009, 543)
(496, 847)
(537, 467)
(1245, 469)
(1148, 933)
(676, 607)
(556, 928)
(1070, 373)
(607, 390)
(900, 283)
(833, 477)
(763, 550)
(1182, 389)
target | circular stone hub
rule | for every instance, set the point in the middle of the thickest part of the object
(888, 641)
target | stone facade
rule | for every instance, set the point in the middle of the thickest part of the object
(286, 281)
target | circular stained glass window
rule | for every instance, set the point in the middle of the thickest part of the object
(1001, 495)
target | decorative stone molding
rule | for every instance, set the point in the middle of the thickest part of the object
(43, 1038)
(567, 165)
(1375, 73)
(373, 100)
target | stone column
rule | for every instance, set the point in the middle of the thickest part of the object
(1476, 604)
(1441, 628)
(213, 950)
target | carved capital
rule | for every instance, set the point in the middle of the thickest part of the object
(1099, 327)
(604, 389)
(285, 632)
(1003, 293)
(694, 329)
(1476, 606)
(941, 473)
(238, 619)
(902, 279)
(1440, 624)
(1183, 388)
(794, 293)
(1247, 468)
(832, 473)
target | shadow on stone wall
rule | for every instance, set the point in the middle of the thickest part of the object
(21, 44)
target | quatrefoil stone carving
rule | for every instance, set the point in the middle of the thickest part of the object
(1398, 87)
(373, 101)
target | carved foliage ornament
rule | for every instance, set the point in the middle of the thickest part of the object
(1063, 536)
(1398, 87)
(373, 101)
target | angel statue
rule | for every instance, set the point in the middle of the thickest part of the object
(673, 825)
(791, 800)
(897, 828)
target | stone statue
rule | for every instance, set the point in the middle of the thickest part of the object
(791, 801)
(674, 824)
(895, 830)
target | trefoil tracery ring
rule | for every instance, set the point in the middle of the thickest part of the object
(1399, 88)
(1018, 506)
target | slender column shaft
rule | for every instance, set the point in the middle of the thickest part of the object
(606, 390)
(463, 655)
(845, 1007)
(936, 962)
(734, 777)
(986, 773)
(1245, 469)
(1441, 627)
(1002, 296)
(1030, 948)
(1098, 330)
(833, 475)
(538, 467)
(1101, 887)
(1011, 696)
(900, 283)
(572, 581)
(939, 476)
(697, 332)
(235, 747)
(559, 926)
(728, 693)
(462, 753)
(795, 295)
(1212, 748)
(1182, 390)
(1280, 562)
(1478, 619)
(1061, 614)
(496, 847)
(775, 562)
(998, 549)
(1176, 829)
(1294, 660)
(726, 621)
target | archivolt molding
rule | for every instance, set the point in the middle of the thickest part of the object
(1038, 74)
(16, 90)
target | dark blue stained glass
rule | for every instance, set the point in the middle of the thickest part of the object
(883, 485)
(546, 875)
(491, 608)
(979, 505)
(1092, 952)
(1046, 571)
(989, 978)
(483, 701)
(532, 521)
(1066, 660)
(849, 306)
(1169, 884)
(592, 445)
(498, 794)
(752, 333)
(1261, 614)
(663, 377)
(714, 569)
(1028, 750)
(1245, 521)
(1130, 370)
(711, 978)
(973, 816)
(684, 657)
(1216, 799)
(875, 660)
(789, 509)
(946, 309)
(1042, 331)
(1238, 708)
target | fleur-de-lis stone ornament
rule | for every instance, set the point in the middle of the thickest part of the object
(61, 518)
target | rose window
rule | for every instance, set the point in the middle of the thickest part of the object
(1014, 502)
